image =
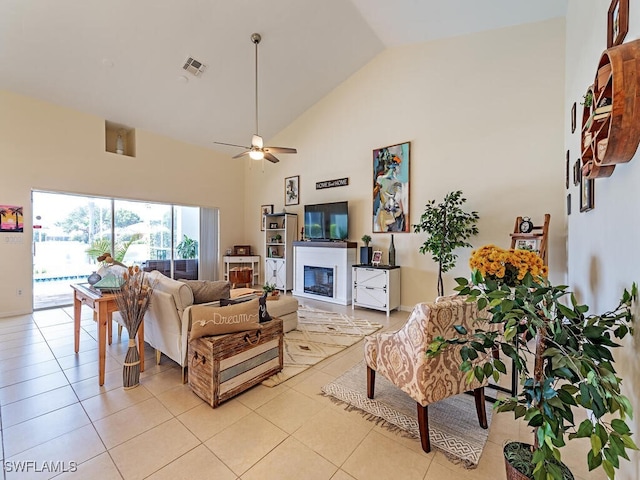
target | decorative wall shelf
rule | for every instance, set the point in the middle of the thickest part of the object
(612, 137)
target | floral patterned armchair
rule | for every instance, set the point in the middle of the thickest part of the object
(401, 358)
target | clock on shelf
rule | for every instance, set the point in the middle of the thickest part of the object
(525, 225)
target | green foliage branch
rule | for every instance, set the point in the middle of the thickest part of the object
(573, 366)
(103, 245)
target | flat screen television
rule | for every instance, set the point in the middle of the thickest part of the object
(326, 221)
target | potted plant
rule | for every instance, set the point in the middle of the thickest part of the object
(449, 227)
(187, 248)
(572, 362)
(366, 252)
(272, 292)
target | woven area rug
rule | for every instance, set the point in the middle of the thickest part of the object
(453, 422)
(319, 335)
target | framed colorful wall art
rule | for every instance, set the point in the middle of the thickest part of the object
(11, 219)
(391, 189)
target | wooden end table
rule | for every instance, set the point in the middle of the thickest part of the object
(103, 304)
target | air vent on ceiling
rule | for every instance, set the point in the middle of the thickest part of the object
(194, 67)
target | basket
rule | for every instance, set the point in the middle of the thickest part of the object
(241, 275)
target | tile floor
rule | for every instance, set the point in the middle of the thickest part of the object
(53, 413)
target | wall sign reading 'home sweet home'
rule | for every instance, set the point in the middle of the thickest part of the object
(339, 182)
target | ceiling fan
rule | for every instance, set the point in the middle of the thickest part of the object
(257, 150)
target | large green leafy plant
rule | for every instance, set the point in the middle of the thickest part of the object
(572, 362)
(187, 248)
(103, 245)
(449, 227)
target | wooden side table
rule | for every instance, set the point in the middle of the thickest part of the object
(103, 304)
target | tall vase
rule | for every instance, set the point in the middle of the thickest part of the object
(365, 255)
(392, 253)
(131, 370)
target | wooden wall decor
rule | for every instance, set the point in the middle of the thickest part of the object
(617, 22)
(611, 122)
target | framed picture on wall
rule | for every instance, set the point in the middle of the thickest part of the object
(264, 210)
(576, 172)
(292, 190)
(11, 219)
(566, 173)
(391, 189)
(587, 194)
(573, 117)
(617, 22)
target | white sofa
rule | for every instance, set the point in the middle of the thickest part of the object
(167, 322)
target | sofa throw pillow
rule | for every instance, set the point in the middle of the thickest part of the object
(207, 320)
(205, 291)
(264, 315)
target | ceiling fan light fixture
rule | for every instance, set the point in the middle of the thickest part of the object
(256, 154)
(257, 150)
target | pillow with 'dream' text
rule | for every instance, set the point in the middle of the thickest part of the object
(206, 320)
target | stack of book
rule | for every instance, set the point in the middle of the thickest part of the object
(603, 109)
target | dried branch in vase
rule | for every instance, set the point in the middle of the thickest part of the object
(133, 299)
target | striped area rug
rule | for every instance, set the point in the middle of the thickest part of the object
(453, 422)
(319, 335)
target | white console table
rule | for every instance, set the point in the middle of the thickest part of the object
(376, 287)
(231, 261)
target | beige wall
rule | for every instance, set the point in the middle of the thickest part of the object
(603, 244)
(47, 147)
(484, 114)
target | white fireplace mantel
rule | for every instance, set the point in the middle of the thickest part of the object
(339, 256)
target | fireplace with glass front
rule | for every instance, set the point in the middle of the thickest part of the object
(322, 270)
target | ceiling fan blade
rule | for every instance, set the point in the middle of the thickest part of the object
(280, 150)
(256, 141)
(270, 157)
(241, 154)
(231, 144)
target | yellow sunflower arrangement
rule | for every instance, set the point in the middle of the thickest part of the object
(507, 266)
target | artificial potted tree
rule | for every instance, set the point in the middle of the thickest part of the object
(449, 227)
(366, 252)
(572, 362)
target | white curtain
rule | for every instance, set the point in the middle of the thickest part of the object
(209, 244)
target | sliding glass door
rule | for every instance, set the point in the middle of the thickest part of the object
(71, 231)
(65, 228)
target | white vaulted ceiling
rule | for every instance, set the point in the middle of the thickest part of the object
(122, 59)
